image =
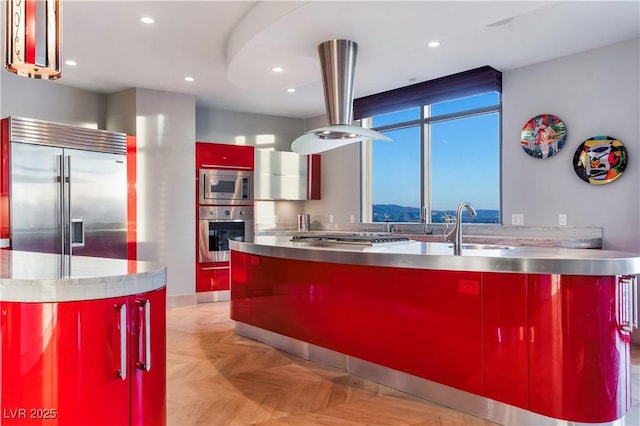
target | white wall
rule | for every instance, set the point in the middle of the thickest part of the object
(593, 93)
(240, 128)
(340, 183)
(165, 127)
(121, 112)
(50, 101)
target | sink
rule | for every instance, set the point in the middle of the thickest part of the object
(484, 247)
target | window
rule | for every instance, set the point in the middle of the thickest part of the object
(444, 151)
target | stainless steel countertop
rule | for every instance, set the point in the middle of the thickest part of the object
(439, 256)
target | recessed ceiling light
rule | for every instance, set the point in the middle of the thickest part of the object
(189, 79)
(147, 20)
(71, 63)
(434, 44)
(277, 69)
(291, 90)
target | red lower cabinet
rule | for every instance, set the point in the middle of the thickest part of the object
(505, 338)
(212, 276)
(578, 355)
(148, 358)
(556, 345)
(428, 325)
(86, 362)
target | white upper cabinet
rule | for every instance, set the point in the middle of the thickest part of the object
(280, 175)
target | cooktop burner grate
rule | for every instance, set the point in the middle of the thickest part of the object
(349, 238)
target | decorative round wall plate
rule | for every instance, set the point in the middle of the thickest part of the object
(600, 160)
(543, 136)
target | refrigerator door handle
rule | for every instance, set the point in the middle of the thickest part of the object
(61, 204)
(67, 206)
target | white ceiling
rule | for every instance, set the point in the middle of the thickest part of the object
(230, 46)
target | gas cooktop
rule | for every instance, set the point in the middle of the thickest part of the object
(362, 239)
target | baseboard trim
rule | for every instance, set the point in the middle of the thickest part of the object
(213, 296)
(175, 301)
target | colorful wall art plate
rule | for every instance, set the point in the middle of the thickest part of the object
(543, 136)
(600, 160)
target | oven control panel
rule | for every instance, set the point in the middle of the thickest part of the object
(225, 213)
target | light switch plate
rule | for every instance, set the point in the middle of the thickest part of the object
(562, 219)
(517, 219)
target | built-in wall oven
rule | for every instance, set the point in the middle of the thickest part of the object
(224, 212)
(218, 225)
(225, 187)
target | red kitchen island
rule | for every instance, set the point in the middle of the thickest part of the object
(515, 335)
(82, 340)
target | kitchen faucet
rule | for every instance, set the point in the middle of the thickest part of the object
(455, 235)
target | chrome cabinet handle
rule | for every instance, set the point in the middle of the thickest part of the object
(627, 302)
(214, 268)
(145, 306)
(122, 373)
(634, 301)
(222, 166)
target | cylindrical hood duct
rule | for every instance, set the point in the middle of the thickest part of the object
(338, 62)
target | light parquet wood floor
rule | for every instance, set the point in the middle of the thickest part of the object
(216, 378)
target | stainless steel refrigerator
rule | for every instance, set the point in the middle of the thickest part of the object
(68, 189)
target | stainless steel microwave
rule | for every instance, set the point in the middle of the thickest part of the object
(225, 187)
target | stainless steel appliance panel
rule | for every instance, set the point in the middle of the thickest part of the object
(98, 203)
(218, 225)
(68, 201)
(225, 187)
(35, 198)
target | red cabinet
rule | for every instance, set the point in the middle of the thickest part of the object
(98, 362)
(212, 276)
(148, 358)
(224, 156)
(579, 351)
(556, 345)
(505, 338)
(314, 187)
(363, 311)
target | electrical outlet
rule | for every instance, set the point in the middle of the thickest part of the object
(330, 218)
(517, 219)
(352, 218)
(562, 219)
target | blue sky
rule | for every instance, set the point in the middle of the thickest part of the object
(464, 159)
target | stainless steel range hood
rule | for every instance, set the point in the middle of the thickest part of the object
(337, 61)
